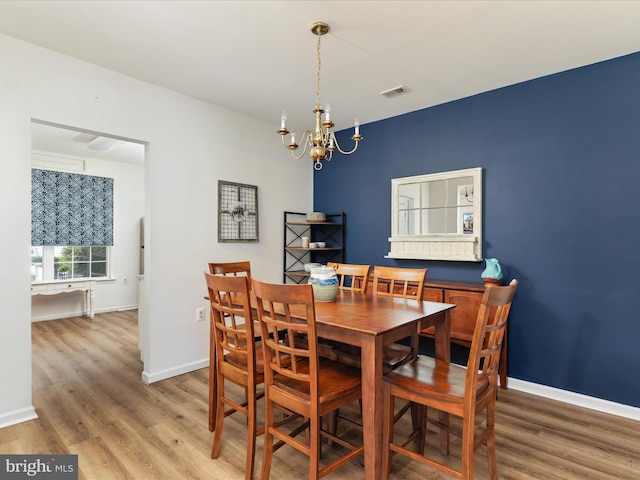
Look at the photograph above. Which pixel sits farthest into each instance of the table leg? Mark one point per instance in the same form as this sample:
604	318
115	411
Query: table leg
371	402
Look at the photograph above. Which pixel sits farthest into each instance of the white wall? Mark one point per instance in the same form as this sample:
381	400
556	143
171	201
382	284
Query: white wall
191	145
115	294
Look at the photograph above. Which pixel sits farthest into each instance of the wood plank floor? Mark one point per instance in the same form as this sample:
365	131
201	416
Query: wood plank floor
91	402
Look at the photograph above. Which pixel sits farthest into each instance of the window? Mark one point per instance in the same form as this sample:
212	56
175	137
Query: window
66	262
437	216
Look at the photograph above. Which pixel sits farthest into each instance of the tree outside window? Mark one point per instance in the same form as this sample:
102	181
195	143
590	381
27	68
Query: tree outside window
67	262
81	262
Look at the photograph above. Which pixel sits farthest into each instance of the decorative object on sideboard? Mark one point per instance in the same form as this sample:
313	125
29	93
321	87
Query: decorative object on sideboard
325	283
324	142
493	272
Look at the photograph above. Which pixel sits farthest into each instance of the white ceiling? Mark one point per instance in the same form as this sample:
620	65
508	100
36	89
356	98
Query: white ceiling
259	57
47	139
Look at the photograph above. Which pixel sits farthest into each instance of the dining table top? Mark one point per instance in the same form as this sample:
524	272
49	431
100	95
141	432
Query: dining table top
374	314
369	315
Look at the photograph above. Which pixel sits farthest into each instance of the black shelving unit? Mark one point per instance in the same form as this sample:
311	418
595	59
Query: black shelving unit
296	226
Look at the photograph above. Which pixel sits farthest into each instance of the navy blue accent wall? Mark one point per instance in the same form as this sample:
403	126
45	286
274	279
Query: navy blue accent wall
561	160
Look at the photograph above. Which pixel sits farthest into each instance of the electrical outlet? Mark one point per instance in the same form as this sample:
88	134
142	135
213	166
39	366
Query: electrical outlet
200	315
125	280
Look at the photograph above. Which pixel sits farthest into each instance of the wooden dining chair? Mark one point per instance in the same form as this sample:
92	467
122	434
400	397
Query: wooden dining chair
352	277
399	282
394	282
403	283
453	389
297	380
233	269
236	357
389	281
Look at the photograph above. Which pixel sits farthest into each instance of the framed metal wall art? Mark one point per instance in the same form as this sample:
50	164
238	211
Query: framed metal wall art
237	212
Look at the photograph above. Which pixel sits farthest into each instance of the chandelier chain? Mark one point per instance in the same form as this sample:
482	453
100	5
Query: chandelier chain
318	79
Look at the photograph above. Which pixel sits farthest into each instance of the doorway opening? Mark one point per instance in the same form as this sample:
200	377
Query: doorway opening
114	272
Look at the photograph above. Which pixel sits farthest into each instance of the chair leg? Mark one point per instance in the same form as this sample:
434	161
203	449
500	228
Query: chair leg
332	421
314	448
212	380
219	417
421	425
387	431
443	418
332	424
267	455
251	433
491	441
246	398
468	438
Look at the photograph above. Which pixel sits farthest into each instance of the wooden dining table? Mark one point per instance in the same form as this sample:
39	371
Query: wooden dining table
371	322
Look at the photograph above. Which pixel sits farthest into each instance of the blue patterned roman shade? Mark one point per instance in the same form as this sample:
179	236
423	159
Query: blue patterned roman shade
71	209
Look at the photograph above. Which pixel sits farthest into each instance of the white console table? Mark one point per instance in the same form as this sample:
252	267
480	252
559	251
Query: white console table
54	287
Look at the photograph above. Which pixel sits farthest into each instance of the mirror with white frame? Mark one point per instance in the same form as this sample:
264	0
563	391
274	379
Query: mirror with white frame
437	216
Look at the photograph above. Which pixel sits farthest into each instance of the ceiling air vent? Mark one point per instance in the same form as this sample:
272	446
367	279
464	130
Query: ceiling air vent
394	92
103	144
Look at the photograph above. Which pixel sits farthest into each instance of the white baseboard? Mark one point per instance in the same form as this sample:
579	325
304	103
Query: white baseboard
123	309
577	399
17	416
150	377
58	316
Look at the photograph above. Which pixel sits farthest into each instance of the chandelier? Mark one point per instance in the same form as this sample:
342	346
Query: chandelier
322	142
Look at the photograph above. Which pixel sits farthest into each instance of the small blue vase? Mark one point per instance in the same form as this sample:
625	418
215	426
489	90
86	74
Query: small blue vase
493	270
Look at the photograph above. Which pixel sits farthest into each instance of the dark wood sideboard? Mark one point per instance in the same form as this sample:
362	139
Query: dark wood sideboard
466	296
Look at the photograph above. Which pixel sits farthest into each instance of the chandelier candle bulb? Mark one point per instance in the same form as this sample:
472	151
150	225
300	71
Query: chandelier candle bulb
283	119
357	125
327	111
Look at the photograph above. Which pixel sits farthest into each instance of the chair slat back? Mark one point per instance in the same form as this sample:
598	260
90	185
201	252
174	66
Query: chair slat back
285	312
231	316
353	278
399	282
491	323
231	268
